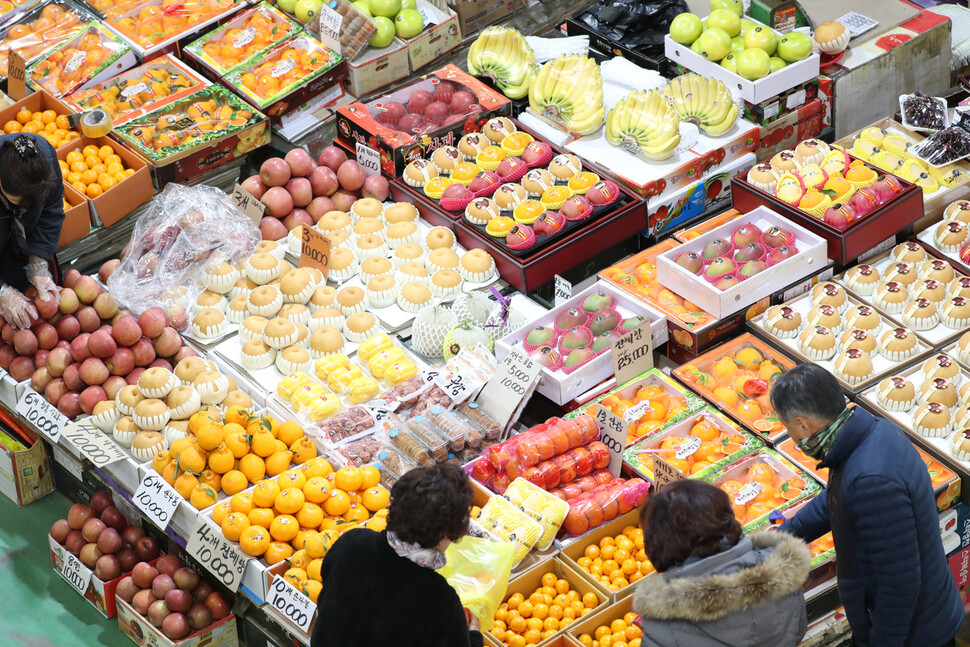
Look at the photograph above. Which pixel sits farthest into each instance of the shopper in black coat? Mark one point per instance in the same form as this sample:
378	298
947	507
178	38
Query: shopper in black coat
31	216
893	576
381	588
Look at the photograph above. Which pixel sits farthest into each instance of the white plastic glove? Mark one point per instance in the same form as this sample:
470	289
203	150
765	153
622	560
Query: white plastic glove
16	308
39	275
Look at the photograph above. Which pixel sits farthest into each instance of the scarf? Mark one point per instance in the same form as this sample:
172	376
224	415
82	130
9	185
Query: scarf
427	557
820	443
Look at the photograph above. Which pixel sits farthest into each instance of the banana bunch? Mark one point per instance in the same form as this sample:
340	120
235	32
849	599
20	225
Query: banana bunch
570	89
503	55
510	524
704	102
644	123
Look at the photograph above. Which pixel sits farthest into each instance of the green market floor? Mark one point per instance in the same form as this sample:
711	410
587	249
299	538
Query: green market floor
40	609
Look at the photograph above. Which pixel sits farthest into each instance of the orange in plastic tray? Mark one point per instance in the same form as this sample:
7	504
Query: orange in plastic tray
658	405
792	451
823	544
129	91
157	22
286	66
638	276
737	376
704	444
260	30
761	483
52	27
70	66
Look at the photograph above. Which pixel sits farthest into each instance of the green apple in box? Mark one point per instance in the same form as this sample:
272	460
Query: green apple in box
289	6
408	23
753	64
735	6
776	63
384	35
308	10
714	44
685	28
737	44
747	25
761	37
726	20
730	62
363	7
793	47
386	8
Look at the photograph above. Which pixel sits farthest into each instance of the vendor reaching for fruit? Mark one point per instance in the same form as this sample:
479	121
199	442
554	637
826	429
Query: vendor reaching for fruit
31	215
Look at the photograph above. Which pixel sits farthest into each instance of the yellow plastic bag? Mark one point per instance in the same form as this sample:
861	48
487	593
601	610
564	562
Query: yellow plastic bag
479	569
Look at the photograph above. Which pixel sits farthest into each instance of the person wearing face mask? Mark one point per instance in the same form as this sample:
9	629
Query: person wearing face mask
31	216
893	576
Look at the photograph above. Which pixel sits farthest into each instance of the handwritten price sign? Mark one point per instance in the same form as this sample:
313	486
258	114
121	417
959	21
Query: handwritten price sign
330	24
225	561
633	354
459	388
563	290
613	432
77	574
511	382
664	473
315	251
93	445
41	414
295	606
369	159
157	499
248	203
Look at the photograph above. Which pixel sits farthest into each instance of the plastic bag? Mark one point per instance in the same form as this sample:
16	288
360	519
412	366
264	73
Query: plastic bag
637	24
605	503
479	569
184	231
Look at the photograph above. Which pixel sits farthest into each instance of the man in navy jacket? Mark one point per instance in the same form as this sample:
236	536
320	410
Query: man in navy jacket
893	576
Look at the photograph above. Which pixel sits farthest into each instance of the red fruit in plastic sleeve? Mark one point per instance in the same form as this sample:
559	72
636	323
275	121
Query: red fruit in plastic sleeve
601	455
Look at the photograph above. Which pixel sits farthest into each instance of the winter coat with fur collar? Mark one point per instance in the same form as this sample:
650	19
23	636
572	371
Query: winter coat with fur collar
747	596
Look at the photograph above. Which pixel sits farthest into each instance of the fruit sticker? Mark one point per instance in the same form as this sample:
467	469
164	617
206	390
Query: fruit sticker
746	493
247	36
688	448
283	67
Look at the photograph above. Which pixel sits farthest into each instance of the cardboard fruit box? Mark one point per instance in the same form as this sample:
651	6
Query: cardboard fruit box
37	102
575	549
25	466
360	122
89	58
220	634
137	25
100	594
77	219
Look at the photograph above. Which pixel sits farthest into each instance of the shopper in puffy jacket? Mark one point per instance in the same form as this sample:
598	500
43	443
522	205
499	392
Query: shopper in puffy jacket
381	588
893	576
715	587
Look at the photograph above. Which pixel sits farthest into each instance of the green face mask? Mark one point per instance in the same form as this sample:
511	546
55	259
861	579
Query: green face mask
820	443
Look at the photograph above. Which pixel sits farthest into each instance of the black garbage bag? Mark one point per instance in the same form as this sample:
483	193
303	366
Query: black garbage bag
637	24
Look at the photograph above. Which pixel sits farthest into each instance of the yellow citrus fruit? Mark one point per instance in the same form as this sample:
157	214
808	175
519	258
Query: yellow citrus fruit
253	467
242	502
289	501
264	494
254	540
337	504
375	498
261	517
234	524
221	511
284	527
348	479
316	467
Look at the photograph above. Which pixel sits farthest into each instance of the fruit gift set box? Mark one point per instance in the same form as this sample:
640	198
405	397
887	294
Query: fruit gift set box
851	339
241	41
865	204
579	334
194	134
737	378
411	122
734	265
697	446
285	78
155	27
41	30
948	239
92	56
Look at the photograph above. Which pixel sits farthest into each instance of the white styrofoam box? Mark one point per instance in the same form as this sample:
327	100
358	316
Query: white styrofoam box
752	91
8	391
812	254
557	385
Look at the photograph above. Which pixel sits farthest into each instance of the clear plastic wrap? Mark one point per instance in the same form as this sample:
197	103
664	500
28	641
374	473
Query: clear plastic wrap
566	468
411	447
583	484
604	503
433	396
558	438
346	424
510	524
244	38
485	422
407	392
289	66
42	30
431	436
184	231
546	509
155	22
455	427
361	451
77	61
393	461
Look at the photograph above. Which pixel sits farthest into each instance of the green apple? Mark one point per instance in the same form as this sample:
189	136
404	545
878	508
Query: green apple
737	44
794	47
685	28
386	8
761	38
730	63
776	63
408	23
714	44
384	35
746	25
409	4
731	5
726	20
753	64
696	47
289	6
307	10
363	6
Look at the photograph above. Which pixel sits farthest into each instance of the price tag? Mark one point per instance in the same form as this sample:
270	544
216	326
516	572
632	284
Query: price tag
633	354
427	16
664	473
315	251
430	376
746	493
613	433
294	606
76	573
456	386
41	414
637	411
16	79
97	447
509	385
248	203
369	159
687	448
217	554
564	290
330	25
157	499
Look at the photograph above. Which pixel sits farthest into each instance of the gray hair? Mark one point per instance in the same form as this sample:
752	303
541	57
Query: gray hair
807	390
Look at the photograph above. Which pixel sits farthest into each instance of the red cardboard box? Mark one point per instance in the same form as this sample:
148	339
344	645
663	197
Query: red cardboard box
100	594
797	125
221	634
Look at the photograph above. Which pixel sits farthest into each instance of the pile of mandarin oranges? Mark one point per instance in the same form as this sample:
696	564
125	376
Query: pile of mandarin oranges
522	620
92	170
617	561
47	124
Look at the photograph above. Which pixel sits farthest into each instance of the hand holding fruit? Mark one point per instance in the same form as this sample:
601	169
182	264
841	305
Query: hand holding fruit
40	277
16	308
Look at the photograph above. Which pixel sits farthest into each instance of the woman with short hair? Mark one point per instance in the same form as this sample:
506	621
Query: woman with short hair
716	587
381	588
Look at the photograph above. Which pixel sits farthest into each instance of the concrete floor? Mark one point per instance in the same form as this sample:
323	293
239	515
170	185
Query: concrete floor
39	608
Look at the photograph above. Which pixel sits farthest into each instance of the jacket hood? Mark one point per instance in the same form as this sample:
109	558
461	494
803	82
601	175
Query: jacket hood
711	597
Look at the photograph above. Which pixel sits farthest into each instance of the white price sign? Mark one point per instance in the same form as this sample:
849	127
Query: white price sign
564	290
97	447
510	384
633	354
157	499
746	493
294	606
369	159
330	26
77	574
41	414
613	433
217	554
248	203
664	473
